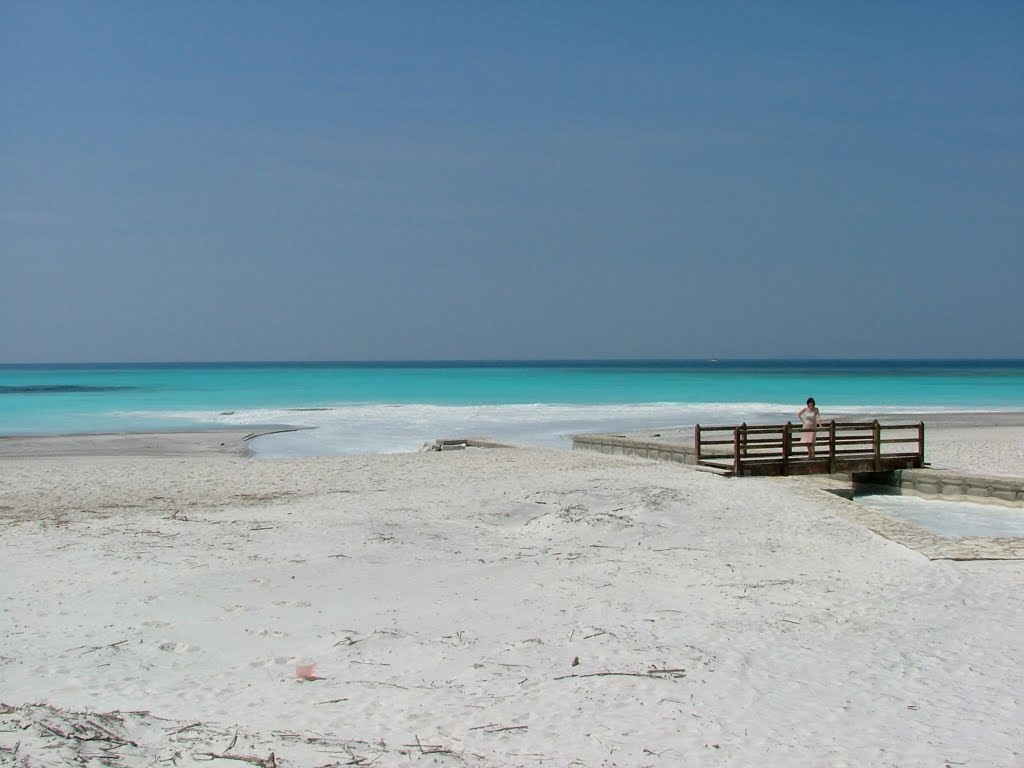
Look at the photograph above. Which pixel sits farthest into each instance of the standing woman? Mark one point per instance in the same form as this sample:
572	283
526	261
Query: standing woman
810	418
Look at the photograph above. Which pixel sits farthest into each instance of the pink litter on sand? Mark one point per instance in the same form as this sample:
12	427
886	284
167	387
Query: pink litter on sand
306	671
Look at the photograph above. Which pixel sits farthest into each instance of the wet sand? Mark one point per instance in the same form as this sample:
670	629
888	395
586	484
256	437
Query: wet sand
171	443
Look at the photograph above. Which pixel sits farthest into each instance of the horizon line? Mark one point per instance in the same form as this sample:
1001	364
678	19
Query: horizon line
528	361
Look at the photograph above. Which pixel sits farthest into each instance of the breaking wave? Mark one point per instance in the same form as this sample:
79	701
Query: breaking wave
382	428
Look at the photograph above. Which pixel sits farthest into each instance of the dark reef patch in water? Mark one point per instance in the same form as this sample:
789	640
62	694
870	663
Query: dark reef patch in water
49	389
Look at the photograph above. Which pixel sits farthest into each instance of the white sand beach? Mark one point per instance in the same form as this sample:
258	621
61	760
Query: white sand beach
981	450
502	607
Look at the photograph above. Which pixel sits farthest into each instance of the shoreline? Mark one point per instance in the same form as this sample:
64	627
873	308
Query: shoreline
163	443
233	441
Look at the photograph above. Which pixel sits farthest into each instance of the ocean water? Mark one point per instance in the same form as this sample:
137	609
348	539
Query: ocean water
388	407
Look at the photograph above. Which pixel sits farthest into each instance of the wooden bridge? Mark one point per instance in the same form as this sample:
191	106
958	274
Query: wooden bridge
840	446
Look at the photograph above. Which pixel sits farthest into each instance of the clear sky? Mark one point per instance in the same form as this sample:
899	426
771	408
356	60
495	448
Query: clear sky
482	180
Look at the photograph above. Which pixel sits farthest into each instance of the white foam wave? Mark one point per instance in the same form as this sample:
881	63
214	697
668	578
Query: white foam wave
379	428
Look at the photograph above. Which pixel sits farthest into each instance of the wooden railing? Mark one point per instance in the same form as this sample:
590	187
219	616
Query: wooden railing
839	446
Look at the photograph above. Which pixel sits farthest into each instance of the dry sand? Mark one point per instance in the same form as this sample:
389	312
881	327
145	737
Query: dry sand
977	450
485	608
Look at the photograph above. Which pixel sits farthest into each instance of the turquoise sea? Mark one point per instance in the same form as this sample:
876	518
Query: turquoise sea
384	407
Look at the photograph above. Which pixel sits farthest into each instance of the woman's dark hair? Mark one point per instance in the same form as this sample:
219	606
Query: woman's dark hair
810	402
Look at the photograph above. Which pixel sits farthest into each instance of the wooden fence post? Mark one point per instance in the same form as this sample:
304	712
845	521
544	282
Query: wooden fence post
876	439
832	447
920	444
787	439
736	461
696	441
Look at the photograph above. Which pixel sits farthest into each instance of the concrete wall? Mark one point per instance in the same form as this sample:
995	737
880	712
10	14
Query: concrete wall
957	485
625	446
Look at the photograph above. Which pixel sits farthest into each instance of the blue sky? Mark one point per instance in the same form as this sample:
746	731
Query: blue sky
475	180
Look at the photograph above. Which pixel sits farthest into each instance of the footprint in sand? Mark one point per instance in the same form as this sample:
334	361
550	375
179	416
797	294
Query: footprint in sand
273	661
174	647
271	633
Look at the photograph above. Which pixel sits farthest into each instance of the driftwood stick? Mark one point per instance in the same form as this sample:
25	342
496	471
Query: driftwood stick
606	674
101	647
110	734
496	727
430	749
651	673
350	641
188	727
54	731
262	762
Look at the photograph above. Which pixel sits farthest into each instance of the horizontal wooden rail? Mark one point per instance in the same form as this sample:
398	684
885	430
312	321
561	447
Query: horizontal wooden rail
838	446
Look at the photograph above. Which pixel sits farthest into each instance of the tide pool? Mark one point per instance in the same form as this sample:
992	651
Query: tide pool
950	518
